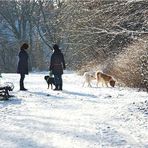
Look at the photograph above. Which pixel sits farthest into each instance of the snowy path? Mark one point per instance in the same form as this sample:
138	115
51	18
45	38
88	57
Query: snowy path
78	117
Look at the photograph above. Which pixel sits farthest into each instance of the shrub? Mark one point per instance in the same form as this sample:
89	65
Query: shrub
130	67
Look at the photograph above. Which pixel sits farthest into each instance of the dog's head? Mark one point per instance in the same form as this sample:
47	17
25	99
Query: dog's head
112	83
46	77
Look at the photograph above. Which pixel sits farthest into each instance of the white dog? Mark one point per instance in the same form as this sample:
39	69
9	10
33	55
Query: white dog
88	77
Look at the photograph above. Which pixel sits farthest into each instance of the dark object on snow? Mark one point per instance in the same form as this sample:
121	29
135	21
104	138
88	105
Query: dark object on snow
23	60
57	65
50	81
22	67
4	91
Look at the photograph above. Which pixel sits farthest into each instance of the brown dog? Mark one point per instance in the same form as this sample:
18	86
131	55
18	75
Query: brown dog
105	79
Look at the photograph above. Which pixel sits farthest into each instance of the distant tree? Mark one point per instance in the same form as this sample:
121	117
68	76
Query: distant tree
7	52
100	29
19	24
47	21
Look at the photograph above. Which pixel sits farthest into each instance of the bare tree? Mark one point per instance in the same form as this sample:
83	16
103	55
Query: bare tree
19	23
100	29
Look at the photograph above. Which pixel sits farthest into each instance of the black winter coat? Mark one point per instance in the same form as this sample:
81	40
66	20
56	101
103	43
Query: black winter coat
23	62
57	63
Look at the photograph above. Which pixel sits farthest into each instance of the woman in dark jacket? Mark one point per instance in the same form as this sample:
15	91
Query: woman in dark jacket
22	68
57	64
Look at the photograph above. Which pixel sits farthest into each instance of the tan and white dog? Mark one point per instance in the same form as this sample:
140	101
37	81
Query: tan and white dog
88	77
105	79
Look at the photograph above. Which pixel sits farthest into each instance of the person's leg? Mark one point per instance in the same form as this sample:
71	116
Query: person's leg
60	82
56	81
22	77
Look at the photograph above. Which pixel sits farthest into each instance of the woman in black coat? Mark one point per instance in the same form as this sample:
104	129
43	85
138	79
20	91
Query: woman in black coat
57	64
22	68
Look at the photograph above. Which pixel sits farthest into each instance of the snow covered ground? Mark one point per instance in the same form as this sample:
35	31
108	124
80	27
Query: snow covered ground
77	117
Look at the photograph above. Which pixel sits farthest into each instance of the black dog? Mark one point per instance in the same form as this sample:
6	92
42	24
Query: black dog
50	81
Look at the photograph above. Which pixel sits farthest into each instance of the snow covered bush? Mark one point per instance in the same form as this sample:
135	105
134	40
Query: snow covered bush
130	66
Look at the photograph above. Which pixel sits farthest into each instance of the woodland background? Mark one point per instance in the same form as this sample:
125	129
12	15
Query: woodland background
107	35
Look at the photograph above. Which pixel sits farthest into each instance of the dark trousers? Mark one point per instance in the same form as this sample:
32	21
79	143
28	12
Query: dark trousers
22	77
58	81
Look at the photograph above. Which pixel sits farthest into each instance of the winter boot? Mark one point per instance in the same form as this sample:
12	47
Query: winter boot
22	86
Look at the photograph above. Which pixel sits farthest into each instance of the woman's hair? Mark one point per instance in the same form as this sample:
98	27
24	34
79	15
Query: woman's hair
24	46
56	48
